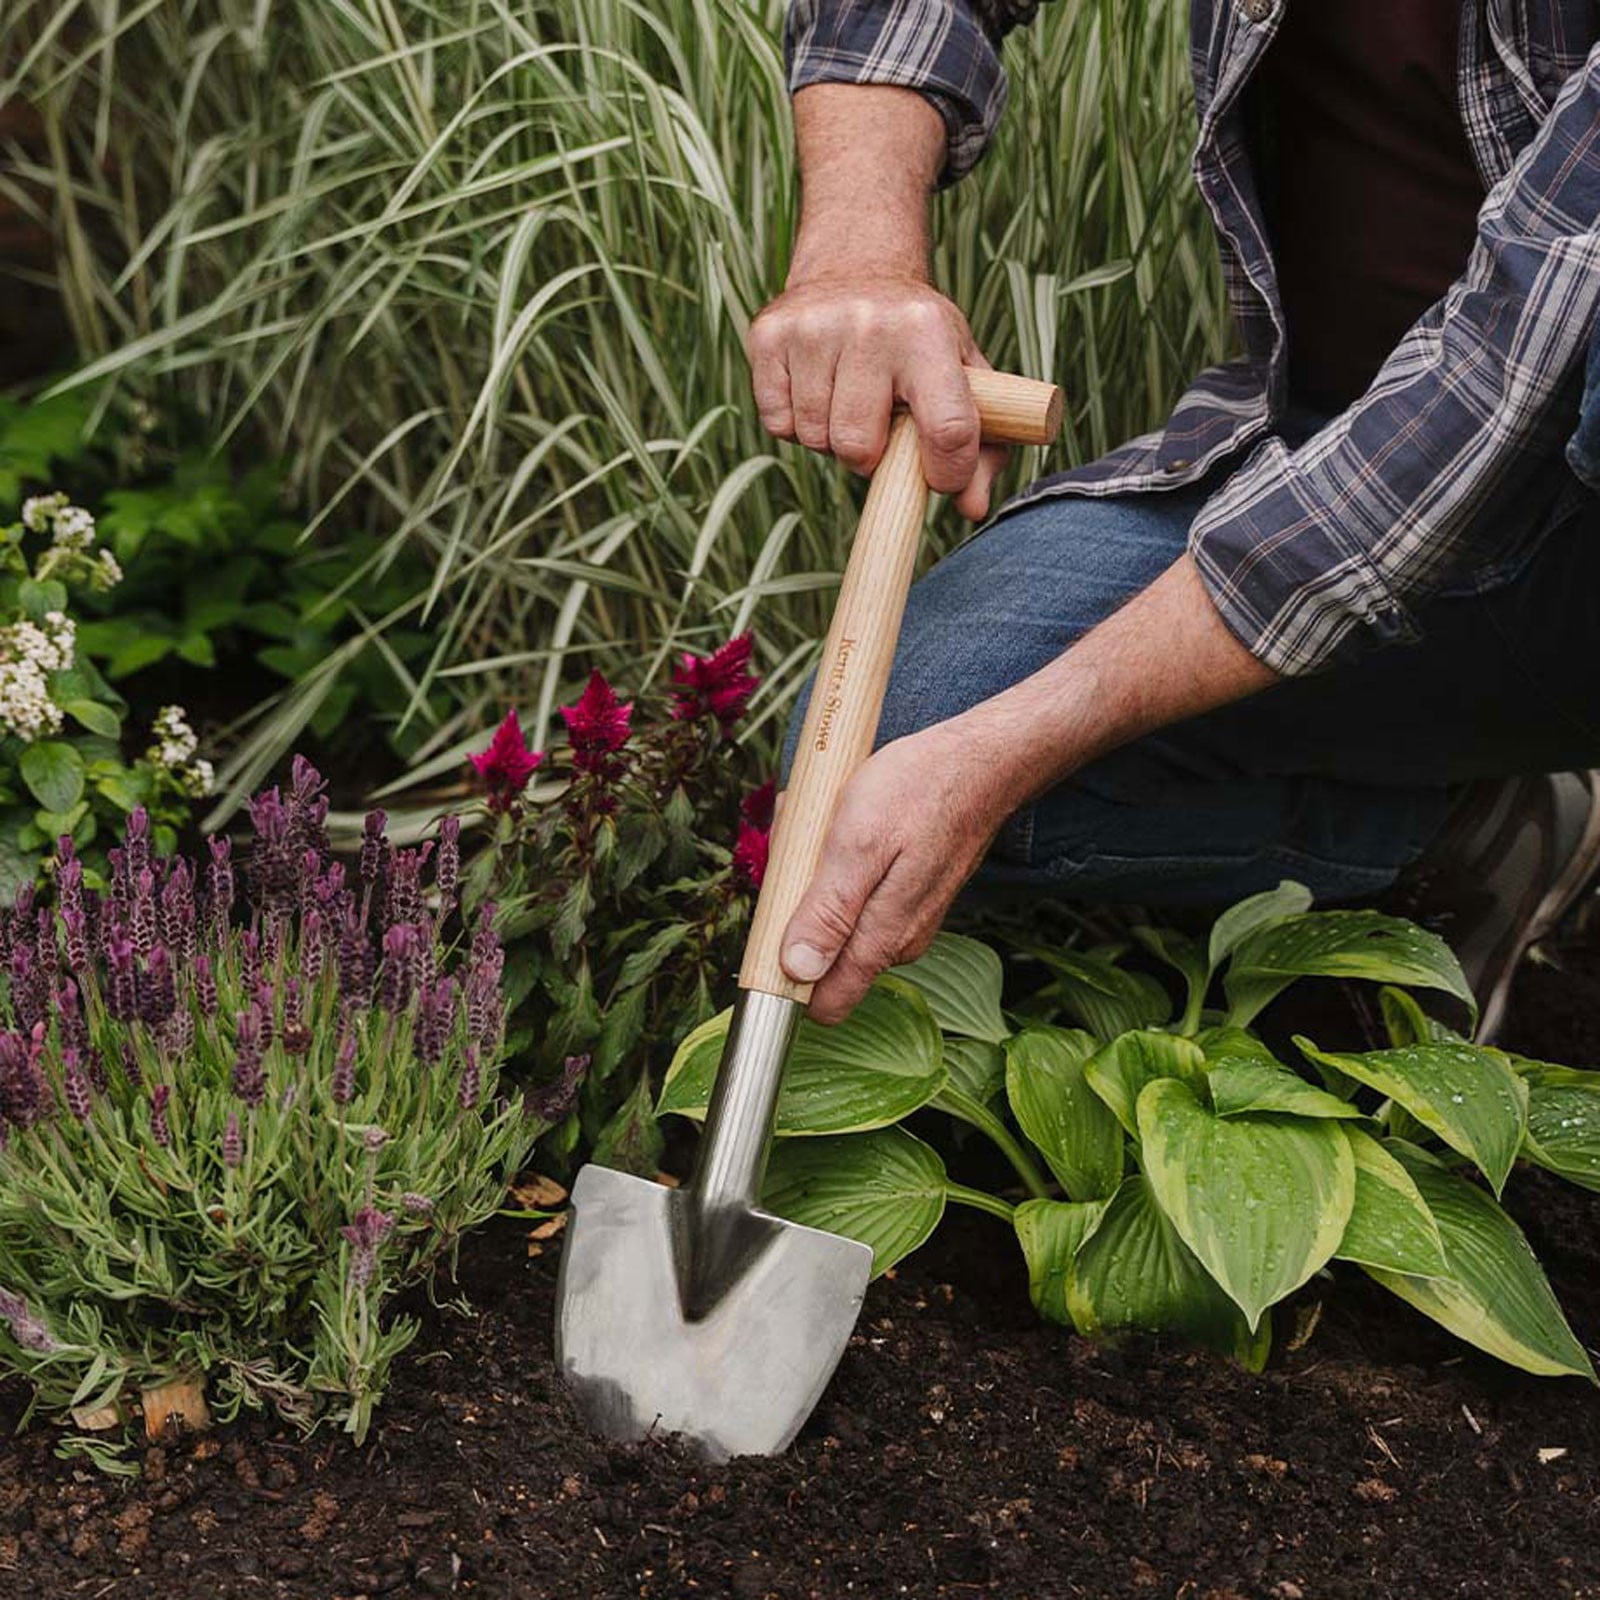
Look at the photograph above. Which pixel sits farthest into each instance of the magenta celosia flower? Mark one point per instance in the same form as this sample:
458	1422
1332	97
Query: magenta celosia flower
750	854
506	765
597	725
758	806
718	685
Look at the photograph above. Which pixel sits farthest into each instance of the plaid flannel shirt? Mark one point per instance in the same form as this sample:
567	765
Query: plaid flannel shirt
1315	554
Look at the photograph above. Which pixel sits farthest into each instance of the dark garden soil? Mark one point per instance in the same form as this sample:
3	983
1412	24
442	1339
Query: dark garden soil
963	1450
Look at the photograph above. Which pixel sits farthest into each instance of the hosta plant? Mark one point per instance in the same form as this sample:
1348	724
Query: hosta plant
1175	1173
624	881
235	1124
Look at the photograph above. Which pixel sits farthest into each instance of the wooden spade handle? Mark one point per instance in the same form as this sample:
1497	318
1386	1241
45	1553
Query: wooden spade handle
842	719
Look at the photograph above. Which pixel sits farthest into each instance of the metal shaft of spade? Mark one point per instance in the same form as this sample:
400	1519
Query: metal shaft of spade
694	1311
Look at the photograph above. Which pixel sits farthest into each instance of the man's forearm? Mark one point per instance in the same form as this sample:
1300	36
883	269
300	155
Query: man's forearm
1164	656
869	158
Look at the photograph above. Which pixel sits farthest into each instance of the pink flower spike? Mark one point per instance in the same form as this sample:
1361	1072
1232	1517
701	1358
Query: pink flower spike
597	725
758	806
750	854
506	765
717	685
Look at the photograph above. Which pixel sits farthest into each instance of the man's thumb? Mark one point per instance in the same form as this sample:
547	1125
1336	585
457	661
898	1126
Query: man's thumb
824	920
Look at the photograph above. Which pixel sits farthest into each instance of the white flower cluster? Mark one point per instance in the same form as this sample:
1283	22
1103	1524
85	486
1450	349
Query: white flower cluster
70	527
176	748
40	510
29	653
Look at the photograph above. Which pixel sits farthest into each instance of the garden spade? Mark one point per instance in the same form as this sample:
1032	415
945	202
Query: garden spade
692	1310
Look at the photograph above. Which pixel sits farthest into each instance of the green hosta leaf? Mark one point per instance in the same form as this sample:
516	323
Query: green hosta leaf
1390	1224
1467	1095
1496	1295
1225	1044
879	1065
1262	1201
960	978
1054	1106
1133	1271
53	772
95	717
886	1189
977	1068
1262	910
1184	956
1050	1232
1095	991
1338	944
1241	1084
1564	1130
1406	1022
1119	1071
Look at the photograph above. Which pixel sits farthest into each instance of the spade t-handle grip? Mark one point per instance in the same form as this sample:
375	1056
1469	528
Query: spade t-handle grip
847	696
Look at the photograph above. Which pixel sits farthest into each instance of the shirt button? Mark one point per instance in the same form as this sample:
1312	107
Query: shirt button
1257	10
1178	465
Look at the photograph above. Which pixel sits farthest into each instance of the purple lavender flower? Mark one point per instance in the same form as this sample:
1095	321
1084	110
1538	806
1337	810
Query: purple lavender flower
27	1327
373	844
22	1088
550	1102
95	1064
470	1084
76	1089
267	1010
296	1035
416	1205
70	1023
177	911
76	925
343	1087
355	961
122	998
373	1140
132	1072
447	872
249	961
232	1142
143	916
436	1015
365	1232
205	986
136	842
69	877
157	991
219	884
249	1078
313	948
160	1131
399	972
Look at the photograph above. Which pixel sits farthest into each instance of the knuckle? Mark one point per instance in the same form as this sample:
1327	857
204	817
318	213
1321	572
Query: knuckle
950	435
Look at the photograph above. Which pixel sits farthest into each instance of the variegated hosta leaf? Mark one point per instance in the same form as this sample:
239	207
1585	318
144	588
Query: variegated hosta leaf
1467	1095
1050	1232
976	1067
1244	1084
1262	910
1096	992
1262	1201
1184	956
1121	1069
1390	1224
1054	1106
960	978
1219	1043
1564	1130
1133	1271
879	1065
1406	1022
1338	944
885	1188
1495	1295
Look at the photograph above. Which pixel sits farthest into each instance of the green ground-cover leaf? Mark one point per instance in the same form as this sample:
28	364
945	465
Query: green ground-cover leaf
961	979
1496	1295
1242	1084
1133	1271
885	1188
1338	944
1390	1224
879	1065
1119	1071
1050	1233
1262	1201
1465	1094
1072	1127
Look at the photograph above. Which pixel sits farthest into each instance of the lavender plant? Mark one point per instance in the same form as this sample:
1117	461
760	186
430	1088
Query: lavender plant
234	1124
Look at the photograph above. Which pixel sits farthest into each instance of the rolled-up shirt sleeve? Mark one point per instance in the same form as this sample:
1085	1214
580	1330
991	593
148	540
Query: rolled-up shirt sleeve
1315	555
948	50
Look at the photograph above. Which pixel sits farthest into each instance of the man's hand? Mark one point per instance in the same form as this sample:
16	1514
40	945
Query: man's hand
912	826
859	328
918	817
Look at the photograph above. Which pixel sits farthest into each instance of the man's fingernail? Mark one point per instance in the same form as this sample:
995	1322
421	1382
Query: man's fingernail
804	963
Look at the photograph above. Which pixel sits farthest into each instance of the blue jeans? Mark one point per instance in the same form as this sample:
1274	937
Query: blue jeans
1338	780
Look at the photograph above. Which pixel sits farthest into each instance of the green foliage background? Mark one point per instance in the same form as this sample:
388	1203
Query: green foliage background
480	273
